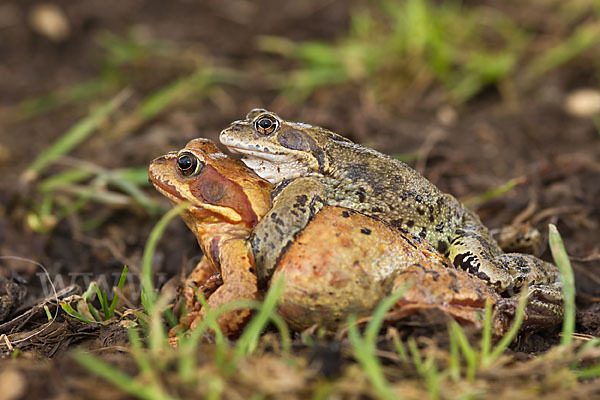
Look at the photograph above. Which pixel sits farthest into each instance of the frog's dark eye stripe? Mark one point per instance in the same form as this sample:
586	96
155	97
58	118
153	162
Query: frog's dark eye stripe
188	164
266	124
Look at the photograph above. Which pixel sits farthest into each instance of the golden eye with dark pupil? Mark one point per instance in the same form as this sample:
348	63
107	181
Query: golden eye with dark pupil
266	125
188	164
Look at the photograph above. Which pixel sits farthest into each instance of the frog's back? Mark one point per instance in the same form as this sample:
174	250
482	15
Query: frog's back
387	188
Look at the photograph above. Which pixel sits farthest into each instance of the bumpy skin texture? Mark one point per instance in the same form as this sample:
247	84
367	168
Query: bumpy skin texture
343	262
316	167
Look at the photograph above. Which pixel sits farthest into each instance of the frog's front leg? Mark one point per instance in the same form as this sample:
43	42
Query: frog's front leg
236	281
203	278
294	205
473	250
239	283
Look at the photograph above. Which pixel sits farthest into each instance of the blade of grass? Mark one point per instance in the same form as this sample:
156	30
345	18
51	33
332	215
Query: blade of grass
74	136
75	94
563	263
512	332
454	361
585	36
120	285
75	314
369	362
458	336
145	390
378	316
68	177
486	335
364	348
103	300
493	193
180	91
247	343
149	296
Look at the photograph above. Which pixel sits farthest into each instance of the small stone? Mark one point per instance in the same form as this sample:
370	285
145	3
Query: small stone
49	20
446	115
583	102
12	385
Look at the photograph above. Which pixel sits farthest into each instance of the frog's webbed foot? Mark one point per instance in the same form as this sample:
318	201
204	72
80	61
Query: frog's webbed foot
545	308
294	205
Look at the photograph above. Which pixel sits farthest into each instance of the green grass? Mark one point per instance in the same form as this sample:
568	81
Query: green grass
73	137
566	272
412	44
63	192
86	312
156	360
364	347
407	48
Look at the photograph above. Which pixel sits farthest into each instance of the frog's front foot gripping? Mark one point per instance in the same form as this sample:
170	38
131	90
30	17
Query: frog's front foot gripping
294	205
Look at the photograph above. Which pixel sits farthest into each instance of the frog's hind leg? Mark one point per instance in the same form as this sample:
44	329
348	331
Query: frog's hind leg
473	250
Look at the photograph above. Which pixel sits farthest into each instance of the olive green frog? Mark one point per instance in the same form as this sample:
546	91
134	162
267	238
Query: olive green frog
314	167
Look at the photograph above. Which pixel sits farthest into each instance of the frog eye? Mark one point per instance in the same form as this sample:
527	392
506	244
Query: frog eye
188	164
266	124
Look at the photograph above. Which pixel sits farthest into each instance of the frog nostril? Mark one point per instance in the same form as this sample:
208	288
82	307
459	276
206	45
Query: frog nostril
159	160
236	127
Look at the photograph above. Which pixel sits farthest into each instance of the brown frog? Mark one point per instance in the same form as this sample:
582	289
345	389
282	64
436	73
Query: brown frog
314	167
342	262
225	203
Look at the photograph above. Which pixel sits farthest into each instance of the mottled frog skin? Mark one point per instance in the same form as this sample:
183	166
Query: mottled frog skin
341	263
314	167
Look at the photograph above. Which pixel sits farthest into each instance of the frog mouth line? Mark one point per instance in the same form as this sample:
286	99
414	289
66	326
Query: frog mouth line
275	158
169	195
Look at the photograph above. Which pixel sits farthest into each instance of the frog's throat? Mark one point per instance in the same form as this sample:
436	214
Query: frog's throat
226	212
272	167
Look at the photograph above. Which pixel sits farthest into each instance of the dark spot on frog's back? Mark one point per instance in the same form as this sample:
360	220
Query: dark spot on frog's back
439	227
345	214
442	247
365	231
361	195
301	200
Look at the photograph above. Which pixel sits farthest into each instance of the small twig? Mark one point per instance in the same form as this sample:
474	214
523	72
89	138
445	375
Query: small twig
554	211
427	147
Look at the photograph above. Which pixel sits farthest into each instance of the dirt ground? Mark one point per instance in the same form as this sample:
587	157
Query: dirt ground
465	150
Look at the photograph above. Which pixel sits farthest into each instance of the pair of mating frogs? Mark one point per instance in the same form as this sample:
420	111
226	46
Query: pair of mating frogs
343	225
